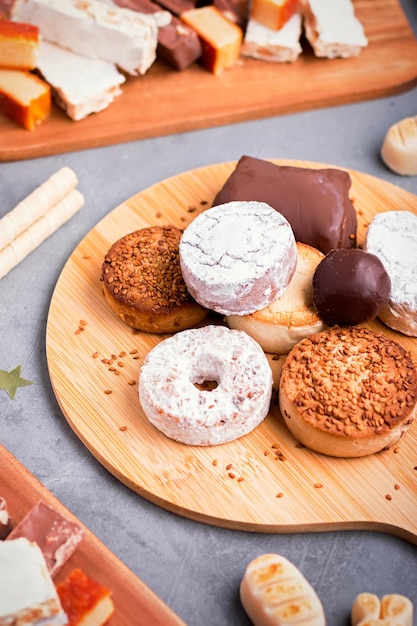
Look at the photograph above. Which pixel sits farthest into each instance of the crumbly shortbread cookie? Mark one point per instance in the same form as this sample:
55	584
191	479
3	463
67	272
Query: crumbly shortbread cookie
238	257
392	237
273	591
281	45
173	402
399	149
348	392
332	28
291	317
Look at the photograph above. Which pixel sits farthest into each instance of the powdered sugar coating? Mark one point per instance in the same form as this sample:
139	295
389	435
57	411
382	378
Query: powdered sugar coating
392	237
236	258
172	402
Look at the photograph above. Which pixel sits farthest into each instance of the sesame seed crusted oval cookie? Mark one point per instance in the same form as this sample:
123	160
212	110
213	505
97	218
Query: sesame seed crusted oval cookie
348	392
238	257
172	375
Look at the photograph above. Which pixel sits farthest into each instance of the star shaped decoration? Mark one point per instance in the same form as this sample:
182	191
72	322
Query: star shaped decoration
10	381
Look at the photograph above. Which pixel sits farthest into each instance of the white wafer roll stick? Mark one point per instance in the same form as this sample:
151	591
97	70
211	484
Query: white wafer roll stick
40	230
36	204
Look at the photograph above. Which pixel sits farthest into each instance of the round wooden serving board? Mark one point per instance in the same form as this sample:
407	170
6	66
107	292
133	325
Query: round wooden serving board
242	485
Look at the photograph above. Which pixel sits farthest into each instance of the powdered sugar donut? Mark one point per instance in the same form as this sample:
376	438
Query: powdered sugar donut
172	370
236	258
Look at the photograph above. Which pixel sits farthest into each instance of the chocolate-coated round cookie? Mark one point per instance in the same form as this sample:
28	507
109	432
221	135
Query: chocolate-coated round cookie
350	287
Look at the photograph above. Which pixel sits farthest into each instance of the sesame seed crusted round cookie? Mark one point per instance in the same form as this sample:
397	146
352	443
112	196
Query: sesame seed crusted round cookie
236	258
143	284
348	392
172	400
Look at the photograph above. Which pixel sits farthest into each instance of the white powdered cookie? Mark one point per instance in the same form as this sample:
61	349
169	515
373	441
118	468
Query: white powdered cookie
172	400
238	257
392	237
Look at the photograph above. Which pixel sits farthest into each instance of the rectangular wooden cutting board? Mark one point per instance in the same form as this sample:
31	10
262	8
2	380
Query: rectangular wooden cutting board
132	598
165	101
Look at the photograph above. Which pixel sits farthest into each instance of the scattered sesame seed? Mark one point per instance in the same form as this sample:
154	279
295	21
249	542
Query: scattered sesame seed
123	428
318	485
215	462
388	496
107	391
279	494
95	355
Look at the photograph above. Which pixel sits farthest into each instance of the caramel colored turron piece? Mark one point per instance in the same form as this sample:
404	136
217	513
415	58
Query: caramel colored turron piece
348	392
142	282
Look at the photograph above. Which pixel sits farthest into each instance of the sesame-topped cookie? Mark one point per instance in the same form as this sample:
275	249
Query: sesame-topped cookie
143	283
348	392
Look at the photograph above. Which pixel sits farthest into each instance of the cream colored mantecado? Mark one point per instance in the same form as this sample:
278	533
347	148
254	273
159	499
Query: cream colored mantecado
273	591
399	149
291	317
391	610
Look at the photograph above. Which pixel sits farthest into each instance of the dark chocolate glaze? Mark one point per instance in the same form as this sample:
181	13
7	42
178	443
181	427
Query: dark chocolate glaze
315	201
350	287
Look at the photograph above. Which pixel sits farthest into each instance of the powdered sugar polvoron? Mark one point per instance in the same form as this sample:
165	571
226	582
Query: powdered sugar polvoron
236	258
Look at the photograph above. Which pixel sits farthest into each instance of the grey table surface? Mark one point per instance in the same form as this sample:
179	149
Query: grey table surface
193	567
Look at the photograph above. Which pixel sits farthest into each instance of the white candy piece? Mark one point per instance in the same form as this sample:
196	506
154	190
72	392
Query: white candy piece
81	86
274	592
281	45
95	30
172	401
27	593
392	237
238	257
392	610
399	149
332	28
